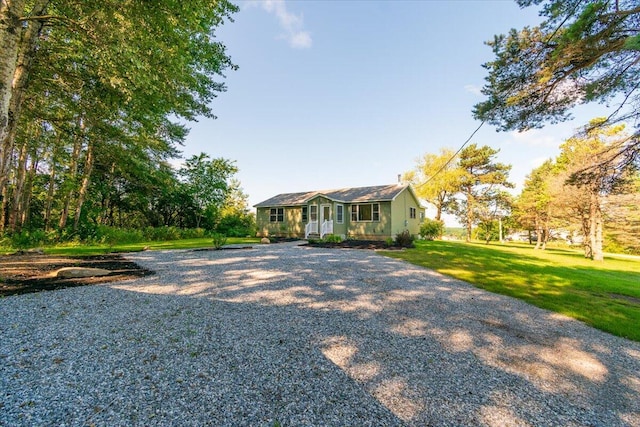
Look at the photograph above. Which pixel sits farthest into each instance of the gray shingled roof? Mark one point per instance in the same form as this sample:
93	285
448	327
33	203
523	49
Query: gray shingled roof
378	193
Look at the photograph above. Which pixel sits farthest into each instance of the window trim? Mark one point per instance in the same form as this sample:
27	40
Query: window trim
375	212
339	213
277	216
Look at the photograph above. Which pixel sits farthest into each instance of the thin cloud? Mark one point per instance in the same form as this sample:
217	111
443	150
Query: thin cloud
291	24
535	137
473	89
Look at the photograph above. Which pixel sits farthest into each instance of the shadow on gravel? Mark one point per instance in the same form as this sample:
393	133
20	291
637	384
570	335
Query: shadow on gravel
325	337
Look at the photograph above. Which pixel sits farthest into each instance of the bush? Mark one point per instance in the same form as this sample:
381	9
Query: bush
431	229
219	240
404	239
237	225
113	235
27	239
333	238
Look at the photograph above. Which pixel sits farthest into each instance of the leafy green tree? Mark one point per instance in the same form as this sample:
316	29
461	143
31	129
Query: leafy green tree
206	181
103	73
533	205
436	179
497	205
583	51
235	219
481	185
431	229
622	217
583	198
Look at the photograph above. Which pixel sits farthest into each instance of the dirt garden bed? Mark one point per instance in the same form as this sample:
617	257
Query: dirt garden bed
25	273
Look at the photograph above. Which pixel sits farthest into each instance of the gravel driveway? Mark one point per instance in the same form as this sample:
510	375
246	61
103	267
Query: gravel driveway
294	336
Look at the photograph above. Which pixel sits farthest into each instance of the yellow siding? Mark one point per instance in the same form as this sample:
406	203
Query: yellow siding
400	214
376	230
291	227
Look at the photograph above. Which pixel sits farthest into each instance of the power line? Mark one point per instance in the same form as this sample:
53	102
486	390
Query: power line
452	157
555	31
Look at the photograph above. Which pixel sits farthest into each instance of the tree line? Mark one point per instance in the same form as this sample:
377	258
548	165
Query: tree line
579	193
92	100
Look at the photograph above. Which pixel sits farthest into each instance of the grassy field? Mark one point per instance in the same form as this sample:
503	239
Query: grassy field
604	295
82	249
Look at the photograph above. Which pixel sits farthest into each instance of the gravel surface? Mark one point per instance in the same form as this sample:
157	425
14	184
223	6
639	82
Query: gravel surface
294	336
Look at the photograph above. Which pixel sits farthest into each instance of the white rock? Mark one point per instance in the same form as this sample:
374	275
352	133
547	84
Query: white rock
75	272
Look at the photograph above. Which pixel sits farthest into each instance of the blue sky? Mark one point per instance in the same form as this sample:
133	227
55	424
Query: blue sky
333	94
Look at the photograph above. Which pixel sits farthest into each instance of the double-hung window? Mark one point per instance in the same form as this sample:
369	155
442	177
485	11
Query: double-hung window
276	215
412	213
365	212
340	214
313	212
305	214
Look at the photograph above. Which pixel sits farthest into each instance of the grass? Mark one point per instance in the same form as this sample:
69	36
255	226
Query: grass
604	295
82	250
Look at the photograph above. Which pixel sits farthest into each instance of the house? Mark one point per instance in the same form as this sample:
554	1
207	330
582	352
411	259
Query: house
377	212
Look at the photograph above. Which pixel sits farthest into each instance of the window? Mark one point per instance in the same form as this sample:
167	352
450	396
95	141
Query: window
276	215
412	213
339	214
365	212
313	212
305	214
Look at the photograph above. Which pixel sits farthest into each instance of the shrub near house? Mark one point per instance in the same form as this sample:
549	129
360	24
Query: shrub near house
377	212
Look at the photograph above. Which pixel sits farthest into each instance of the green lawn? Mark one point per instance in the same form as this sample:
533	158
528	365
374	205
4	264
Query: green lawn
82	249
604	295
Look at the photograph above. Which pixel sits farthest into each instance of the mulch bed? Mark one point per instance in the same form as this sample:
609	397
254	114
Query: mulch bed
355	244
25	273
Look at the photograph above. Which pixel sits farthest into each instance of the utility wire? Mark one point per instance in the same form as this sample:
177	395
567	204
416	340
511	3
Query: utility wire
555	31
452	157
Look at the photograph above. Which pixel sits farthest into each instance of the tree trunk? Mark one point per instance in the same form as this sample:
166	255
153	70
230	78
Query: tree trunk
586	232
595	228
545	240
106	218
86	178
50	192
538	235
10	32
18	50
70	186
18	191
28	192
469	215
3	208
